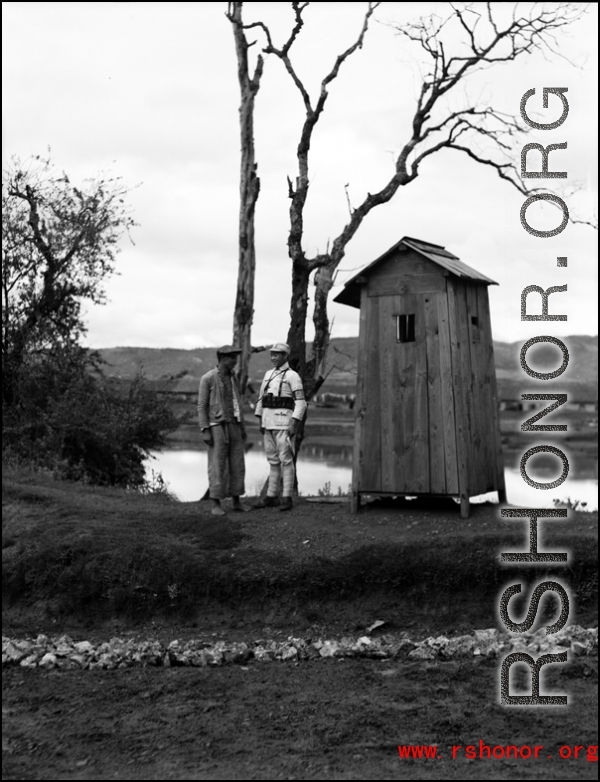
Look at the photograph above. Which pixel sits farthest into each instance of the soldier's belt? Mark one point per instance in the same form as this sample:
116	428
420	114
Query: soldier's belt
278	402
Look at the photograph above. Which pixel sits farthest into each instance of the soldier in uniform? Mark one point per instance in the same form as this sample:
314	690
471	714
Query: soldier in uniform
280	407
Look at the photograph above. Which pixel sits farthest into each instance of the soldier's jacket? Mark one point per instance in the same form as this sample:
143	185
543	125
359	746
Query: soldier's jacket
282	383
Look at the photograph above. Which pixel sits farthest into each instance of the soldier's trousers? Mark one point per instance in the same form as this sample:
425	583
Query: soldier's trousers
281	461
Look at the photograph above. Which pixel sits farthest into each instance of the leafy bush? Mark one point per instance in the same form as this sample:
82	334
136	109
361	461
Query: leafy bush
82	426
59	244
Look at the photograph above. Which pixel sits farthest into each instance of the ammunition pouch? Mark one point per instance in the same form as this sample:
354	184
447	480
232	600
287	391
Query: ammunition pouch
278	402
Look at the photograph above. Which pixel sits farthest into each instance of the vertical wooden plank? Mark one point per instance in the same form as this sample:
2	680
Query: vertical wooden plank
437	474
359	415
494	423
416	419
371	464
486	415
480	463
402	385
447	397
460	401
466	377
388	393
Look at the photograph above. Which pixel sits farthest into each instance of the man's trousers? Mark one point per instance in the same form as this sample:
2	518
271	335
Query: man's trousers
226	465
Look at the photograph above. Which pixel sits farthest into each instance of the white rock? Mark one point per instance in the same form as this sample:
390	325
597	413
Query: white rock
63	650
217	657
13	653
485	635
65	639
199	658
48	660
83	647
329	649
263	655
461	646
422	652
579	647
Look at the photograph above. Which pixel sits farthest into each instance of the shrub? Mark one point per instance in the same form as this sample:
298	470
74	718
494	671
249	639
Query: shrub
81	425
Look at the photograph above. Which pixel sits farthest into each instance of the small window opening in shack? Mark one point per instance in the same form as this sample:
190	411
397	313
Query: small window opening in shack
475	328
405	328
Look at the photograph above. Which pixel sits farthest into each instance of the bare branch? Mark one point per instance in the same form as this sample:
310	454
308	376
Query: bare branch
343	57
348	199
486	135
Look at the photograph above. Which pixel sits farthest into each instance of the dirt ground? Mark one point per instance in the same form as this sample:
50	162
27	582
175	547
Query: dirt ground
317	572
325	719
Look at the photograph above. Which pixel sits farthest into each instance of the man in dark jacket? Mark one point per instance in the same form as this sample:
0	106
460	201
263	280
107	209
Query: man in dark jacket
221	419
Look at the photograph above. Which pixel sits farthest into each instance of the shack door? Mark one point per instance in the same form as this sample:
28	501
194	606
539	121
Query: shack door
409	433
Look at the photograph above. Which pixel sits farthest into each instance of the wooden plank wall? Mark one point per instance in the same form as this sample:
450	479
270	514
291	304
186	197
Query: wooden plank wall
477	383
407	284
480	350
406	272
427	417
493	423
485	417
480	463
437	472
460	359
448	397
370	470
410	419
385	341
359	416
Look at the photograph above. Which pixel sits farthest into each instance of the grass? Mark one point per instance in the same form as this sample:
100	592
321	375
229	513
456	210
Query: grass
80	547
101	552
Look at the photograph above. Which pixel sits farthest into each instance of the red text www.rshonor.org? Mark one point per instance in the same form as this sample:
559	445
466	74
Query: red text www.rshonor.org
498	752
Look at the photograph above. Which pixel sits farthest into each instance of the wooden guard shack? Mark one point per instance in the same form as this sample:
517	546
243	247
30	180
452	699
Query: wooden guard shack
426	405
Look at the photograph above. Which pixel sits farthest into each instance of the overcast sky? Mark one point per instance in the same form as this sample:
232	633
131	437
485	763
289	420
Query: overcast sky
149	92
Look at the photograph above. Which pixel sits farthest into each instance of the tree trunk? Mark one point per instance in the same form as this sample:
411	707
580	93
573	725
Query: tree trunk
298	313
320	345
249	190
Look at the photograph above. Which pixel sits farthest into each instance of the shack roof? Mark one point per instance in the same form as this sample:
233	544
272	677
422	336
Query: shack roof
350	295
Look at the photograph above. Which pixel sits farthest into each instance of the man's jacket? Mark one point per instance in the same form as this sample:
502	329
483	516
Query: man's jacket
211	408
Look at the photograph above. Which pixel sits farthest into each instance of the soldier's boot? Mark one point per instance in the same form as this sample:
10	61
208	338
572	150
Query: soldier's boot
286	503
267	502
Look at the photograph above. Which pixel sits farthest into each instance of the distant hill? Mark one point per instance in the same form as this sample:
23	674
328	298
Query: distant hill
579	380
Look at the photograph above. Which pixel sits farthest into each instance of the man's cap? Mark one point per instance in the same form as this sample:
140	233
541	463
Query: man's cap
228	350
280	347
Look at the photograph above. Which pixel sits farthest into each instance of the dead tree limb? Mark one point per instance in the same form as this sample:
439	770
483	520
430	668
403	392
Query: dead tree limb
486	135
249	191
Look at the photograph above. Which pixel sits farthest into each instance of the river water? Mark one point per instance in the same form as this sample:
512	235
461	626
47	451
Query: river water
330	468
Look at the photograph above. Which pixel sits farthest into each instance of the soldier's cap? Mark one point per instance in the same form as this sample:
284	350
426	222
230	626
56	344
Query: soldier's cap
228	350
280	347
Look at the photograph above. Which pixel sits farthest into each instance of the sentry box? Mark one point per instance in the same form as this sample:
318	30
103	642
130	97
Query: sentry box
426	405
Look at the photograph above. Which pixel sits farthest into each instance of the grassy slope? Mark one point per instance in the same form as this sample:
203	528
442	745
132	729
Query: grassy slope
77	551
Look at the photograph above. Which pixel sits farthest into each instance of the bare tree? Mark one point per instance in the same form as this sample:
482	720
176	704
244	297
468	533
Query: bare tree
249	190
456	47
